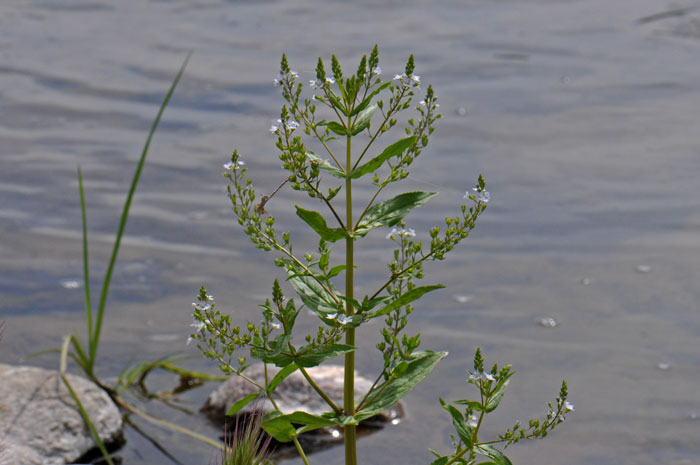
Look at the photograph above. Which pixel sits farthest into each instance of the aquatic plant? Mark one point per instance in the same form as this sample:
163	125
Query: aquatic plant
345	117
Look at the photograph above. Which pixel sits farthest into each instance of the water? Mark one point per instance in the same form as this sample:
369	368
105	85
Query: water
582	119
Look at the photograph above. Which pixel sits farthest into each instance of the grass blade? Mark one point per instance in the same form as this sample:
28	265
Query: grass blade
95	336
81	409
86	272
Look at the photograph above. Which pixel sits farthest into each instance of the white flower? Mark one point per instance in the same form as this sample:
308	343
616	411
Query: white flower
376	70
201	306
273	128
422	102
292	125
481	376
410	232
331	316
278	80
472	421
489	377
189	339
343	320
415	79
208	296
330	80
233	167
478	195
275	325
569	406
293	73
198	325
313	84
398	77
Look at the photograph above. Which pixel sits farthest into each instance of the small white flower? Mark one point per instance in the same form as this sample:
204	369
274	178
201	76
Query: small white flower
568	406
415	79
232	167
292	125
422	102
391	234
208	296
189	340
376	70
331	316
478	196
278	80
273	128
489	377
313	84
398	77
201	306
293	73
330	80
410	232
275	325
472	421
343	320
198	325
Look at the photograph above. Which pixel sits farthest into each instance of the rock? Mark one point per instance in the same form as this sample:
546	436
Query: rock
293	394
40	423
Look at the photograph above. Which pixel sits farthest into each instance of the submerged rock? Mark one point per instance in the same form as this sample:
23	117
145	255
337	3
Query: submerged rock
40	423
293	394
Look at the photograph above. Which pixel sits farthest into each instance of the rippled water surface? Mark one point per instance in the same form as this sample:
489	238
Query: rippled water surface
583	119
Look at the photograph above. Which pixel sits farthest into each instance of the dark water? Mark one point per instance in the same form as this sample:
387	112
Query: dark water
582	119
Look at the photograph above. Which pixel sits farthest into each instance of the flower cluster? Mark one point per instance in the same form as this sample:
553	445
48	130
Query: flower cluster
410	232
231	166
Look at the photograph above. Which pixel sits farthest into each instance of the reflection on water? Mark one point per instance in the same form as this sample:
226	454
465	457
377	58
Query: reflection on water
581	116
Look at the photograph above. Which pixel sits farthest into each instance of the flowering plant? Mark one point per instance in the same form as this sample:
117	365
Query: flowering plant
362	108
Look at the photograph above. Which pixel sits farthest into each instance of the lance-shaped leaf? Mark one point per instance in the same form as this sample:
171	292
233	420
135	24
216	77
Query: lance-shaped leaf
283	429
367	100
394	150
498	392
273	354
363	119
318	224
494	454
316	357
337	128
314	296
325	165
406	298
391	391
235	408
465	431
390	212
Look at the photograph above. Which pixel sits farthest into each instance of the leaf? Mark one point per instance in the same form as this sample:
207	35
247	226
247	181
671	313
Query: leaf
280	376
390	212
325	165
363	119
493	453
281	427
313	359
235	408
367	100
337	128
336	270
466	432
408	297
471	403
318	224
497	395
394	150
389	392
314	296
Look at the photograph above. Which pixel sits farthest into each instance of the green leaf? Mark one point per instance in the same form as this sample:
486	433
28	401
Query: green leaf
390	212
471	403
337	128
325	165
280	376
313	359
363	119
391	391
466	432
394	150
336	270
497	395
314	296
440	461
337	103
367	100
235	408
493	453
318	224
281	427
406	298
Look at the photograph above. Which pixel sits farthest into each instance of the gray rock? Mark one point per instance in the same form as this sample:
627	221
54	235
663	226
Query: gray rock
40	423
293	394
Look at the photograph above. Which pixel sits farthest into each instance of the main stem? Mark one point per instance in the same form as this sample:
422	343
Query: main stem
349	385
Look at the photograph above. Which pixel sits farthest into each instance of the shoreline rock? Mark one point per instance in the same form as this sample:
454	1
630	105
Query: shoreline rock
40	423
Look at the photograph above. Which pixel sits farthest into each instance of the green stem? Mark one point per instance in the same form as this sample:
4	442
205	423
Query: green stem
349	385
320	391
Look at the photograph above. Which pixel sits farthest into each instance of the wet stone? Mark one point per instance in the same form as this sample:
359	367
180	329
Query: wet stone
39	421
293	394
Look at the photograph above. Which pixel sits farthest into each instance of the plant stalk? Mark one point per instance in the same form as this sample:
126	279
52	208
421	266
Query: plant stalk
349	384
